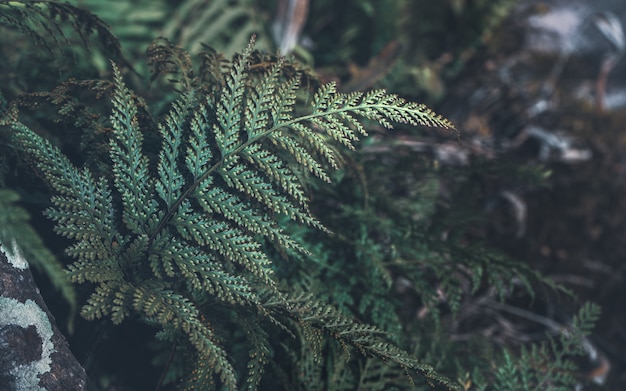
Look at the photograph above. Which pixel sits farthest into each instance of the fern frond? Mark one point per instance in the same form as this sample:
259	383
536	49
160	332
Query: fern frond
259	350
170	309
170	181
225	239
239	177
214	199
336	115
334	112
202	272
43	21
366	338
280	109
201	377
549	365
172	238
586	319
84	209
273	166
293	147
98	271
230	106
261	101
101	301
130	166
198	159
164	258
284	101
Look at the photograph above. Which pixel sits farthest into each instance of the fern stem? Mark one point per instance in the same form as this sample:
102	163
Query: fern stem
170	359
379	108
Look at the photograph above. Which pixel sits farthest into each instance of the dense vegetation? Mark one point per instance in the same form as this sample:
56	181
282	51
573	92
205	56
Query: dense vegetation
224	211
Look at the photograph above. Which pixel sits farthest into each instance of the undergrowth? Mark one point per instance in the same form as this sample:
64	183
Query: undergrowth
227	211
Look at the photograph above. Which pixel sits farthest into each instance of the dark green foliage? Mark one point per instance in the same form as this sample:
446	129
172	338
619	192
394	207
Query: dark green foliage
200	225
384	234
547	366
435	39
179	239
417	270
45	21
226	24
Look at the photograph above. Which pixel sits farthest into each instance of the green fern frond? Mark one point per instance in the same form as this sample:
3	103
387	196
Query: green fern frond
284	101
167	308
277	171
201	377
261	101
105	270
101	301
296	149
239	177
549	365
170	183
83	210
130	166
366	338
259	351
199	157
216	200
163	237
230	106
202	272
586	319
334	112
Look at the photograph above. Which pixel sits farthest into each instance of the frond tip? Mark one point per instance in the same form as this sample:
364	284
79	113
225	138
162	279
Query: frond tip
337	112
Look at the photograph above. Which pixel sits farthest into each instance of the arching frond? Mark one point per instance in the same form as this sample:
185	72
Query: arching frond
189	226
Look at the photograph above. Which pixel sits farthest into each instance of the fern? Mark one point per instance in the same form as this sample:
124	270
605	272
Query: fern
182	239
330	371
546	366
44	21
395	257
227	24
